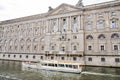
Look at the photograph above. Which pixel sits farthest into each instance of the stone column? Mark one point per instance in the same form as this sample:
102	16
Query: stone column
82	22
70	22
59	28
79	22
67	23
57	24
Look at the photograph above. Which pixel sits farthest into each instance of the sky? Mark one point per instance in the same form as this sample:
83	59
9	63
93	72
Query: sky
10	9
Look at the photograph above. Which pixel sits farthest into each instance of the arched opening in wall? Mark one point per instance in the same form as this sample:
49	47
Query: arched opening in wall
90	37
101	36
114	36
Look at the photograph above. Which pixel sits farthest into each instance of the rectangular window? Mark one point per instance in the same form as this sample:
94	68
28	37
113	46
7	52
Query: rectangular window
115	47
102	47
63	49
89	47
102	59
74	58
117	59
101	25
52	47
89	59
62	58
74	48
89	26
114	24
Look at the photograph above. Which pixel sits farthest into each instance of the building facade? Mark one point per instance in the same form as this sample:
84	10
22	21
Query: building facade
86	34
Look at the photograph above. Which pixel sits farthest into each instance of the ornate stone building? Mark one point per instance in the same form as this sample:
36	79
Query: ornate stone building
86	34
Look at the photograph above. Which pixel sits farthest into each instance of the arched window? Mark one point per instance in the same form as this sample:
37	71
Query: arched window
22	41
5	41
35	40
115	35
101	36
28	40
89	37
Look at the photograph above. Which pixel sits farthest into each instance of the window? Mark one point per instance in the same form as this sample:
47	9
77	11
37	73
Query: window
52	57
35	47
101	36
34	57
9	55
102	59
41	57
20	56
74	58
89	17
89	37
89	27
35	40
89	59
42	47
113	13
115	35
28	47
15	47
14	56
102	47
115	47
26	56
52	48
55	28
3	55
62	58
117	59
74	37
22	47
74	48
114	24
100	25
63	49
28	40
89	47
100	15
64	25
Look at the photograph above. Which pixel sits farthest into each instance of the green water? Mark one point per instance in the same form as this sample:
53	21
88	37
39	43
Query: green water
11	70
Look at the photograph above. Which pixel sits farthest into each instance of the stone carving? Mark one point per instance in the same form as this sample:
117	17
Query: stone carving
79	4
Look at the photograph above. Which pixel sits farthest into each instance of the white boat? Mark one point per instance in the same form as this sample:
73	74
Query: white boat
68	67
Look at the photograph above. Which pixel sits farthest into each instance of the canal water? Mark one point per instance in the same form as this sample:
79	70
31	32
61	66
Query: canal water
11	70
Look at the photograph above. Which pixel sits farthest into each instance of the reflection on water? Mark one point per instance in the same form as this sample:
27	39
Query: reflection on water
11	70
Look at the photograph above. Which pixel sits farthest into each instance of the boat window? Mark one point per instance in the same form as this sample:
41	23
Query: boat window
55	65
50	64
75	66
61	65
70	66
67	66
